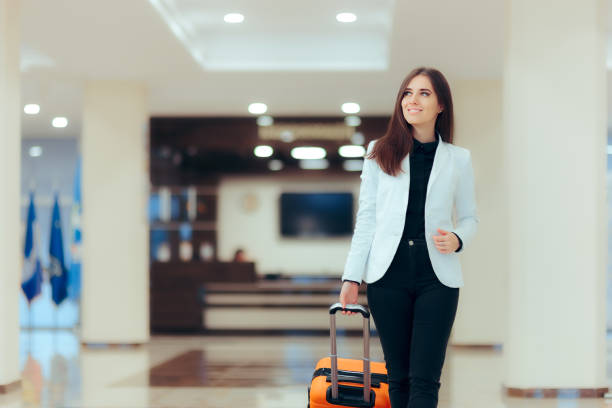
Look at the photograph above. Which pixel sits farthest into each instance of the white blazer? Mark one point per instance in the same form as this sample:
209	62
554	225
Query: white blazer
383	200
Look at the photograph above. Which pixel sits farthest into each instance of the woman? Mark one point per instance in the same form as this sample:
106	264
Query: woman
405	243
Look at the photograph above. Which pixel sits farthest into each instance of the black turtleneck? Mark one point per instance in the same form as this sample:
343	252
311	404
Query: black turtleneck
421	162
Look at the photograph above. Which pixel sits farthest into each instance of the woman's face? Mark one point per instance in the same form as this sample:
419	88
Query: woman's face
420	103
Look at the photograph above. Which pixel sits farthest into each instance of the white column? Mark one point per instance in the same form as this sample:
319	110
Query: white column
115	298
102	369
555	166
10	153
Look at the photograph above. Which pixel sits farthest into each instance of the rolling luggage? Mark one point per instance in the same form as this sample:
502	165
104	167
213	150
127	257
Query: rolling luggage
343	382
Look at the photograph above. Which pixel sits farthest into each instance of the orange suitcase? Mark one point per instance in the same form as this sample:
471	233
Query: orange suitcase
339	382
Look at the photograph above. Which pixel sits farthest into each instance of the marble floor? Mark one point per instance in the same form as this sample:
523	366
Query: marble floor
227	371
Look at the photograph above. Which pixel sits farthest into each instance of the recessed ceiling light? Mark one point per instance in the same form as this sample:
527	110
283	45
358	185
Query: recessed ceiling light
265	120
263	151
314	164
350	107
233	18
31	109
275	165
352	165
351	151
258	108
287	136
35	151
59	122
358	138
308	152
346	17
352	121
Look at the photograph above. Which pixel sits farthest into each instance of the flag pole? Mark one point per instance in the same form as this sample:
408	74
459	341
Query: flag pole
29	327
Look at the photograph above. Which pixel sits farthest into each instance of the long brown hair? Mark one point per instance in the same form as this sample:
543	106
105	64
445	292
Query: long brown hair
390	150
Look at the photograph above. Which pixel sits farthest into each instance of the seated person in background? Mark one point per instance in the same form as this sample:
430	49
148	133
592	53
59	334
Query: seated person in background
239	256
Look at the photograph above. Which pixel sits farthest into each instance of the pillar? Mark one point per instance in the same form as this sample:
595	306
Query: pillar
554	110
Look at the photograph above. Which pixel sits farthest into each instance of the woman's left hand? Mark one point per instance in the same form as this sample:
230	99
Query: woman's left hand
446	242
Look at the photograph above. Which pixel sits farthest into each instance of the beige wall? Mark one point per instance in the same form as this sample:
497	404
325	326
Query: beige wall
258	232
481	317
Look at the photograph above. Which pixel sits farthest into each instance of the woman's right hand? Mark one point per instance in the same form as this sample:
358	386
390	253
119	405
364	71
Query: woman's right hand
349	295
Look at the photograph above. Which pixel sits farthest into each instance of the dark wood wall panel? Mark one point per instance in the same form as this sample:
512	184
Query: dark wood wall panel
196	151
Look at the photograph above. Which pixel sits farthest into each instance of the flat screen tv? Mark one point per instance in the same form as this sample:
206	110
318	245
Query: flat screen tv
316	215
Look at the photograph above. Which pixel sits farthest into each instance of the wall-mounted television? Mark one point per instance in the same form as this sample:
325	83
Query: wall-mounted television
316	215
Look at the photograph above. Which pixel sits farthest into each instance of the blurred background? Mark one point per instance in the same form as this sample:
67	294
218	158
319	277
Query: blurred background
187	174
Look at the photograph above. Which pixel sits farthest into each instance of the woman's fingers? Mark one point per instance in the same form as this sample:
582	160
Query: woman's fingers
443	242
442	248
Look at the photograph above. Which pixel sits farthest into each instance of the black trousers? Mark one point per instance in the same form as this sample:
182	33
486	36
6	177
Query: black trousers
414	313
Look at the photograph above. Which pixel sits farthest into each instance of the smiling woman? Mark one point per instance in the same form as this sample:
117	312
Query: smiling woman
405	239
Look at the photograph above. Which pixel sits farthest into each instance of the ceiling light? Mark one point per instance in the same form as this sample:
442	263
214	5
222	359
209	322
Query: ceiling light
275	165
352	165
350	107
352	121
59	122
258	108
35	151
265	120
351	151
233	18
31	109
314	164
308	152
346	17
286	136
263	151
358	138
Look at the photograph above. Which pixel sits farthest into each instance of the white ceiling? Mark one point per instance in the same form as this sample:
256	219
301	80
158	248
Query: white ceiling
282	36
291	55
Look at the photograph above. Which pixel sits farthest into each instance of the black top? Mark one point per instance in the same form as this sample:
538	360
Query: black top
421	162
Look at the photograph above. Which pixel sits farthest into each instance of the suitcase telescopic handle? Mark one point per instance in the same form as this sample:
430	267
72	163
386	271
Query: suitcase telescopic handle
350	308
366	348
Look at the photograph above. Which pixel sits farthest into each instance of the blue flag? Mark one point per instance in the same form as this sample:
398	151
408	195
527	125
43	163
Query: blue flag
74	283
58	275
31	275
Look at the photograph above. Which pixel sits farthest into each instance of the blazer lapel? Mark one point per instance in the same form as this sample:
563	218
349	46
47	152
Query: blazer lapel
404	175
440	159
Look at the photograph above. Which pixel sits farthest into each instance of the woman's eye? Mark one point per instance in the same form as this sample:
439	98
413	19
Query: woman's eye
424	94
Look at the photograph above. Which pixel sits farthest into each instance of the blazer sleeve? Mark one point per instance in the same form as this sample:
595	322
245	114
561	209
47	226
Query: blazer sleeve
365	224
465	204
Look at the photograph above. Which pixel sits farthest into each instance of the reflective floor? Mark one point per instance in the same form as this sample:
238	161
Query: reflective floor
215	371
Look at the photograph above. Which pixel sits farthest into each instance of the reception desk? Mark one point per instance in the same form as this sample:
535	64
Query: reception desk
175	301
289	305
